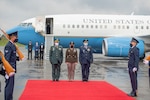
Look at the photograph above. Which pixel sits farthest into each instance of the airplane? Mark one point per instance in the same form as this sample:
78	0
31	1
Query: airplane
109	35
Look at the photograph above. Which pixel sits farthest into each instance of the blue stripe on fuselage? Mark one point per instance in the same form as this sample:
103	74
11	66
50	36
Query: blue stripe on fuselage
27	33
95	43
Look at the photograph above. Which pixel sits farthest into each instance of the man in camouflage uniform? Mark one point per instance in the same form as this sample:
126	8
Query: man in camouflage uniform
56	59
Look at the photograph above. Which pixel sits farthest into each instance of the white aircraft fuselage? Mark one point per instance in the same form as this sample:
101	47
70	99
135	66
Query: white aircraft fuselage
106	33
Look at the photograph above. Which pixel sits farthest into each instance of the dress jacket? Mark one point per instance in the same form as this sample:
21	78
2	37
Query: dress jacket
71	55
86	55
10	54
56	55
133	58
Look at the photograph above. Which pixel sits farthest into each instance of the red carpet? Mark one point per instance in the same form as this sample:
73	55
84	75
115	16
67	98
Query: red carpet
77	90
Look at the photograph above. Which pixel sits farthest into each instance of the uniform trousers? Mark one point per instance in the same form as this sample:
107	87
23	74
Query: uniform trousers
29	54
71	68
133	79
36	55
9	87
55	71
41	54
85	71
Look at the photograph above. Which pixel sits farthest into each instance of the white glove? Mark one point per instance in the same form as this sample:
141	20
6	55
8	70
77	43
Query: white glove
145	61
134	69
6	76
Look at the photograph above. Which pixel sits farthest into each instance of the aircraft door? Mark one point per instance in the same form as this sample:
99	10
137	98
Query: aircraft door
49	25
39	24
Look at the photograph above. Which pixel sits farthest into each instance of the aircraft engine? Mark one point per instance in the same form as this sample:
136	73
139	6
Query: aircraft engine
119	47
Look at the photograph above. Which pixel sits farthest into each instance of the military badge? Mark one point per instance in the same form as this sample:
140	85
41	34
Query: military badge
88	49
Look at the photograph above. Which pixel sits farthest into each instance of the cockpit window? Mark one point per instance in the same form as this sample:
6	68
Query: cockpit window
25	24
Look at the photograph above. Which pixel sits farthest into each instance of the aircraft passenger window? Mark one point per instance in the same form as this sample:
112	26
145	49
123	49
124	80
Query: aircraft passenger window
142	27
87	26
64	26
73	26
105	26
91	26
147	27
127	27
114	26
136	27
82	26
96	26
78	26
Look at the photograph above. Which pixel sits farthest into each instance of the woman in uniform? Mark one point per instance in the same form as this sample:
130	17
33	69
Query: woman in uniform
71	60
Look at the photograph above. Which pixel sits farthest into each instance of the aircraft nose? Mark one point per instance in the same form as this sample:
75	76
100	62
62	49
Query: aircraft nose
14	29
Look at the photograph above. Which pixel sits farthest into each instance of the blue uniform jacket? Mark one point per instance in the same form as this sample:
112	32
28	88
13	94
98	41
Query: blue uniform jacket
133	58
10	54
86	55
36	48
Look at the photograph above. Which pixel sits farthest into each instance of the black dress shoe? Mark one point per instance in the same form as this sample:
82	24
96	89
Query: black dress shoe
132	95
57	79
86	80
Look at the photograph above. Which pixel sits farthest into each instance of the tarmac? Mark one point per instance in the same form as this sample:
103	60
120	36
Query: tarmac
112	70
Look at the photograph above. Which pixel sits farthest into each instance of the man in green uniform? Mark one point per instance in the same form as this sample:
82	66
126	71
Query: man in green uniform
56	59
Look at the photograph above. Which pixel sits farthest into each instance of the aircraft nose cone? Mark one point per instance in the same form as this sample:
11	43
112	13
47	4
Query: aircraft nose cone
12	30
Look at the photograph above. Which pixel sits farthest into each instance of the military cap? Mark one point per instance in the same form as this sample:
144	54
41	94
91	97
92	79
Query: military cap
134	40
71	42
56	40
13	33
85	40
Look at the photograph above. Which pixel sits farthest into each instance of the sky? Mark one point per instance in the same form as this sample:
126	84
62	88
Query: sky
12	12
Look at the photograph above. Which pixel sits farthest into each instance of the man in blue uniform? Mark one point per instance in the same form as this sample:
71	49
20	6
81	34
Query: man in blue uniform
36	51
10	56
133	65
56	59
85	59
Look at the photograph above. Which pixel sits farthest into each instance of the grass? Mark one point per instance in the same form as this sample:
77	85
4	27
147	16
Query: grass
4	41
